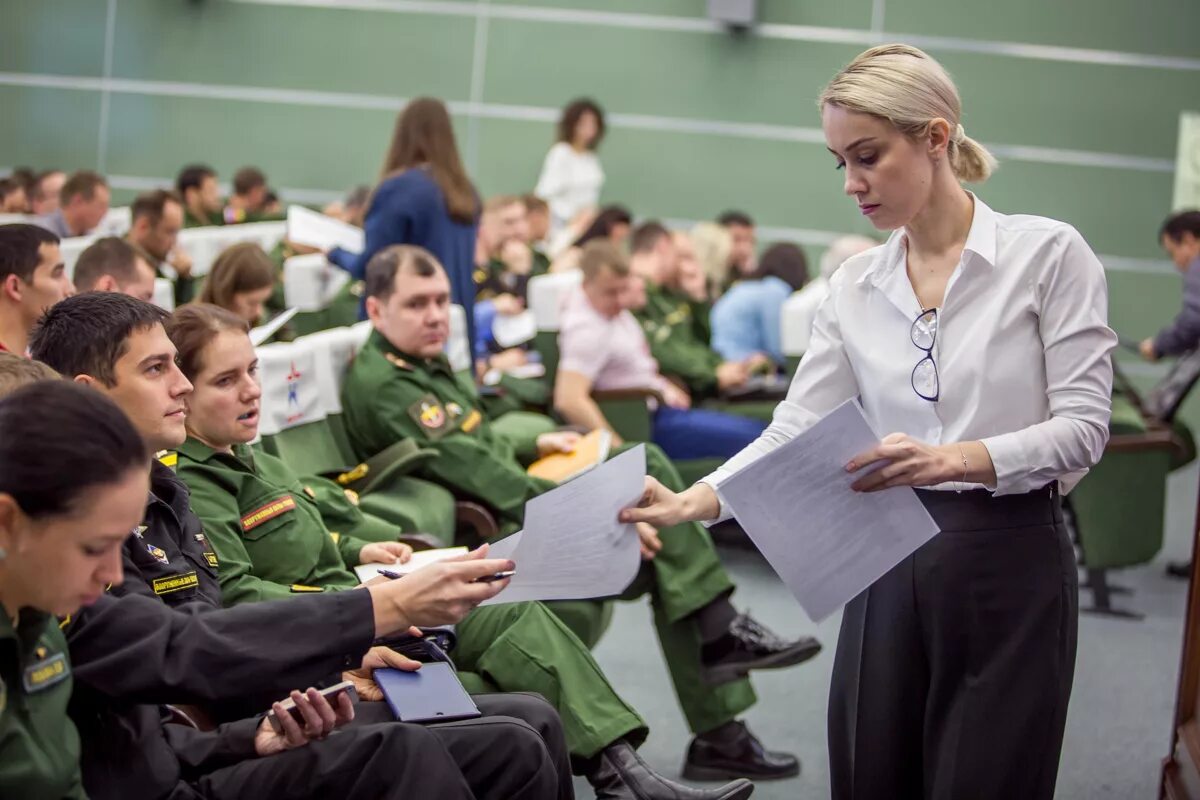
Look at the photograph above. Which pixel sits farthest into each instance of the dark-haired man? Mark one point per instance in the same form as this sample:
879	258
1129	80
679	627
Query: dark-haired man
32	279
197	186
742	258
112	265
83	202
1180	237
157	218
127	655
44	196
248	203
401	386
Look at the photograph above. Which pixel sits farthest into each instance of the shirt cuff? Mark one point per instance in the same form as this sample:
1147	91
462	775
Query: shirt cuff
723	512
1010	462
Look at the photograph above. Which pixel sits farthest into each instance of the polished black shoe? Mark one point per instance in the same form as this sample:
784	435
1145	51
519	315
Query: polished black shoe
742	756
749	646
620	774
1180	569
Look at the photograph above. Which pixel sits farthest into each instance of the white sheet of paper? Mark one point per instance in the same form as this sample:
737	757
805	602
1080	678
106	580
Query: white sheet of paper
318	230
515	329
572	546
421	558
265	331
827	542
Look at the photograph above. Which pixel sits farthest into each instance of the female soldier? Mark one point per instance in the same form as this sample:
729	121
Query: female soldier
982	337
241	280
271	539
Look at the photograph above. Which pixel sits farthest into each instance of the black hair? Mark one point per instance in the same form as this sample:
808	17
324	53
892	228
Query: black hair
88	333
733	217
647	236
785	261
192	177
74	439
571	115
1180	223
8	186
383	266
601	227
247	179
19	245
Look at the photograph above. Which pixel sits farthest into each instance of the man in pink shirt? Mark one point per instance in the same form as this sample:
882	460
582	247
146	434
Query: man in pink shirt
602	346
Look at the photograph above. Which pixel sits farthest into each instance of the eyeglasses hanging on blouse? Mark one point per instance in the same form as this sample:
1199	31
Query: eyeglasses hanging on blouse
924	336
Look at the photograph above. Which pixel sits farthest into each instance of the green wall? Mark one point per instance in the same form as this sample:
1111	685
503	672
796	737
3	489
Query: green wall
1080	99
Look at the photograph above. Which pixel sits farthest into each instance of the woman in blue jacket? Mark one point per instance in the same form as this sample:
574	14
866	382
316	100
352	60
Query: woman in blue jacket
424	197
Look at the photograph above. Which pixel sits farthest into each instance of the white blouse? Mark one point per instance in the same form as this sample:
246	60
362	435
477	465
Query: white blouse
570	182
1022	352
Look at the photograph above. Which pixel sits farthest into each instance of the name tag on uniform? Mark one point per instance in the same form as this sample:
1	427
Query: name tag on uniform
43	674
268	512
175	583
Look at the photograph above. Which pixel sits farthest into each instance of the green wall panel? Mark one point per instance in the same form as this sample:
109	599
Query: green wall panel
362	52
666	8
1163	27
675	74
48	127
60	37
841	14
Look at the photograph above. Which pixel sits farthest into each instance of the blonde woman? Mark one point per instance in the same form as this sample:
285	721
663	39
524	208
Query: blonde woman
979	342
713	244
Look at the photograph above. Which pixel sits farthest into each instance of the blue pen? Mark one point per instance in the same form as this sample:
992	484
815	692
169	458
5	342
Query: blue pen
387	573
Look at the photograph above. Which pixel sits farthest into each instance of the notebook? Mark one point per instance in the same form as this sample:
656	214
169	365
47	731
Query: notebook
591	450
420	558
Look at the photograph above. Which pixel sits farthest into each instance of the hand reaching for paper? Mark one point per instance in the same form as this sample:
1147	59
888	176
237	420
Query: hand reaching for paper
662	508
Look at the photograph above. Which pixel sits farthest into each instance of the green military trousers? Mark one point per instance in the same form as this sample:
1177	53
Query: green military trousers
522	647
685	576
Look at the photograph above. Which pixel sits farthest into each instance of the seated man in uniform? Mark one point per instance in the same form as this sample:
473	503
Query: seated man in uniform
401	386
112	265
197	187
32	279
668	320
154	234
128	657
601	346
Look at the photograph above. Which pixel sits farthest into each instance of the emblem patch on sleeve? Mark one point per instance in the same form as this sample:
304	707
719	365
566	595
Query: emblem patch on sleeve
268	512
429	413
175	583
46	672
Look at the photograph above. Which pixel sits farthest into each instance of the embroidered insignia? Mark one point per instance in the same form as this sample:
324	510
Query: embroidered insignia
472	421
432	415
209	555
267	512
140	529
175	583
356	474
46	672
397	361
158	553
454	410
300	588
352	496
168	458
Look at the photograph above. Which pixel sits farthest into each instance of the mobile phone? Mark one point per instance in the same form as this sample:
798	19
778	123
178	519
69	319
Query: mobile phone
329	694
497	576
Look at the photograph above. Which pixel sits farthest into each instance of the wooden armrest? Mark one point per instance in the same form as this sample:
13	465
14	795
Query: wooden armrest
476	517
1142	442
600	395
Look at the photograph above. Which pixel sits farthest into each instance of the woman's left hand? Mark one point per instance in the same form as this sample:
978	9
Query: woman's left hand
905	462
385	553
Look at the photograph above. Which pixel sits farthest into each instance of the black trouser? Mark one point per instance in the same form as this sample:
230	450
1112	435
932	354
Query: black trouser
498	756
954	669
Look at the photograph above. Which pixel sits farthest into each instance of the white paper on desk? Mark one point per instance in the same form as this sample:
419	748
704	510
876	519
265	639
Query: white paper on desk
263	332
572	546
318	230
510	330
420	558
827	542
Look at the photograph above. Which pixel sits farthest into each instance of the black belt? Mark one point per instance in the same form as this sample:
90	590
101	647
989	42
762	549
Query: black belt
978	509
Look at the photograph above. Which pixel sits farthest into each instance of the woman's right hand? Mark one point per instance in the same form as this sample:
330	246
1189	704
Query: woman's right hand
663	508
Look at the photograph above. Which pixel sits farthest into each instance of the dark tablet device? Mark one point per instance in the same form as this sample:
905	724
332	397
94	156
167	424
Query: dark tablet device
431	694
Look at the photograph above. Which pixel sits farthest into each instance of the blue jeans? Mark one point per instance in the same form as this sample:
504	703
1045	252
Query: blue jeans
700	433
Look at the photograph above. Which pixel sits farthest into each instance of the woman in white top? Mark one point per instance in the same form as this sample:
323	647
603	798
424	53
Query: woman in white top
982	340
571	177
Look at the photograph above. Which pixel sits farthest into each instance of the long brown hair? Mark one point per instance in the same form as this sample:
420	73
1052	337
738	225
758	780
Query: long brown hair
242	267
192	327
425	137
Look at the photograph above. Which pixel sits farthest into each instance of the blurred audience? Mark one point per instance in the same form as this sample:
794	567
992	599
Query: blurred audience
571	177
197	186
83	204
240	281
746	319
800	309
112	265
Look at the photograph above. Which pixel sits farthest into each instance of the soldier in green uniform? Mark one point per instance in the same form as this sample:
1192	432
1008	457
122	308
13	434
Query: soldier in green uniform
270	536
61	531
400	386
197	187
154	233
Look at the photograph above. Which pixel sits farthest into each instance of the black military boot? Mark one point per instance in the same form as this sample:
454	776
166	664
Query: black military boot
620	774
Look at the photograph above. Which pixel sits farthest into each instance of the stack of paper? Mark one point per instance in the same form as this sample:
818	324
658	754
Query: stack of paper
325	233
420	558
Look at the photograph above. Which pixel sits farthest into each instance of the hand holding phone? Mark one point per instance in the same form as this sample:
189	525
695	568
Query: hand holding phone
296	705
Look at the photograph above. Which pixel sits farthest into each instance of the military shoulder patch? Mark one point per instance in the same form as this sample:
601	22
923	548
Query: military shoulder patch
175	583
429	413
398	362
300	588
46	672
356	474
267	512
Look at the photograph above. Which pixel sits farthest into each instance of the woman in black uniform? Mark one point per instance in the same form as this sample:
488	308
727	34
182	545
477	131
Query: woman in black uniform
982	339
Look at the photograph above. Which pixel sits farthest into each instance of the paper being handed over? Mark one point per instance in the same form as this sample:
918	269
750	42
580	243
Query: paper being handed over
572	546
827	542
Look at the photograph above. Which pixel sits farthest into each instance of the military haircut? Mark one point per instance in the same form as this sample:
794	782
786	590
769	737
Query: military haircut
19	245
108	256
192	177
646	236
16	371
58	440
151	205
599	255
733	218
383	266
247	179
88	333
534	204
83	183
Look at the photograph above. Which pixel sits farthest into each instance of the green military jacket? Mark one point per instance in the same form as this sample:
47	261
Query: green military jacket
190	220
673	334
39	746
185	288
268	526
389	395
